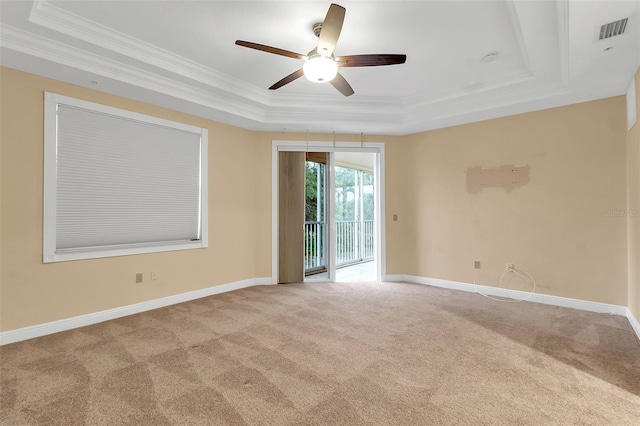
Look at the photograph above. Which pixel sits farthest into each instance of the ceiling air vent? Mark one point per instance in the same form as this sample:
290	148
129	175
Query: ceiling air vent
613	29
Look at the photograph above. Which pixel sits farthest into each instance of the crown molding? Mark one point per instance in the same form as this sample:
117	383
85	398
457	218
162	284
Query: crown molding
47	15
506	80
317	117
296	112
45	48
214	95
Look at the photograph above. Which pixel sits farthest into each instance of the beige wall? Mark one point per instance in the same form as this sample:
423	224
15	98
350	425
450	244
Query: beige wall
1	74
32	292
239	215
633	194
554	228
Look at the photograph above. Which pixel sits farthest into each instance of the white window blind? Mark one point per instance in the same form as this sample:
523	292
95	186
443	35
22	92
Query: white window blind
124	183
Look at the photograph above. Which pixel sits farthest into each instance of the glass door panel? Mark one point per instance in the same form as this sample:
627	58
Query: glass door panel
354	217
315	225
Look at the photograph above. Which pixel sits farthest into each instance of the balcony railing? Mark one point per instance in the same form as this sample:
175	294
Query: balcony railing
314	243
354	243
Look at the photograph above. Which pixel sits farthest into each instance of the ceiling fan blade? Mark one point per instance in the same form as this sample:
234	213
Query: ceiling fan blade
288	79
372	60
342	85
270	49
331	28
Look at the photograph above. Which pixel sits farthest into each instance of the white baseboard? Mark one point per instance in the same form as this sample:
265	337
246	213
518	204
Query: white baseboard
634	323
546	299
25	333
31	332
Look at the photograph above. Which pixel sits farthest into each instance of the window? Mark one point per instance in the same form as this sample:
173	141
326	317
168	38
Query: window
119	183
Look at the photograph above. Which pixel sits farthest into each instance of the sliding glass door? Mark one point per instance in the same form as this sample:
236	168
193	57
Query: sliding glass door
339	220
339	216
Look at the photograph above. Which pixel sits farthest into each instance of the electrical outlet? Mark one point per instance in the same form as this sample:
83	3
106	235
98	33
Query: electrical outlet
510	267
154	275
476	264
138	277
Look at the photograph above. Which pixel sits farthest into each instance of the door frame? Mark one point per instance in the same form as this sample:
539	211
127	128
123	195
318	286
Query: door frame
320	146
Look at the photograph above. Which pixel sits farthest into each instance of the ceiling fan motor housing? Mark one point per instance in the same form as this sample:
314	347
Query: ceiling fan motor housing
317	27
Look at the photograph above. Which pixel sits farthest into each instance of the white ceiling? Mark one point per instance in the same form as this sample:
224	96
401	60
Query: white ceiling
358	160
181	55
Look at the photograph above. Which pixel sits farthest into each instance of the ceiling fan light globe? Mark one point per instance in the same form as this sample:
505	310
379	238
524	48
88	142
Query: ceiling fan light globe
320	69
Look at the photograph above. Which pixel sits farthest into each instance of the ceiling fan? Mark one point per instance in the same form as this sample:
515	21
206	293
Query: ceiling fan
320	65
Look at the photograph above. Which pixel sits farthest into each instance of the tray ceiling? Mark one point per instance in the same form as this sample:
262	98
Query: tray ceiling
181	55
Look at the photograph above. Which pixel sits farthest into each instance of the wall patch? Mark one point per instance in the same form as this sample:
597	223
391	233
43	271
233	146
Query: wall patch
507	177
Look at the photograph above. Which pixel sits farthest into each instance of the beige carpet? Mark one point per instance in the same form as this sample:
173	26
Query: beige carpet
376	353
